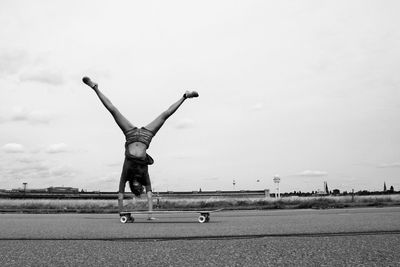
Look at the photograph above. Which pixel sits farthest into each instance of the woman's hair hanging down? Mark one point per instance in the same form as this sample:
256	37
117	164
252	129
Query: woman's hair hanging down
136	188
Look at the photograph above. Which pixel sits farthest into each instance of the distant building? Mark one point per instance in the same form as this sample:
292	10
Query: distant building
320	193
43	190
267	193
62	189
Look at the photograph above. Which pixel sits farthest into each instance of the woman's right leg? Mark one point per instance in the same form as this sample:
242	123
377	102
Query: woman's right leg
122	122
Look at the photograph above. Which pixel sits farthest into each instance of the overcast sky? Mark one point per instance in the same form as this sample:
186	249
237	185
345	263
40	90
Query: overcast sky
308	90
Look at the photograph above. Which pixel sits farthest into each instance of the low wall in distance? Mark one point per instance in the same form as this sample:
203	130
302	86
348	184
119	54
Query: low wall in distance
164	195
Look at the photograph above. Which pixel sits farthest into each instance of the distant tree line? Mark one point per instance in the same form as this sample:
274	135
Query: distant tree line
337	192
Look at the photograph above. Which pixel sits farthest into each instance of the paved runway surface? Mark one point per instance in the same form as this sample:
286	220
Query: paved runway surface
337	237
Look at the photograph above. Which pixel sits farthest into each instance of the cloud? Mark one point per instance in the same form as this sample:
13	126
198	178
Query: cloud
13	148
211	179
12	61
31	116
19	62
390	165
113	180
181	155
43	76
312	173
39	169
26	159
57	148
112	177
257	106
106	182
62	171
184	124
114	164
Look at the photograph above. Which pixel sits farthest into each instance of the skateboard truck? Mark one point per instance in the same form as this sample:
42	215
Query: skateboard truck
204	217
126	218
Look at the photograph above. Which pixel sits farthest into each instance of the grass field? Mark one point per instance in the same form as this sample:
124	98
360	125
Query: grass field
110	206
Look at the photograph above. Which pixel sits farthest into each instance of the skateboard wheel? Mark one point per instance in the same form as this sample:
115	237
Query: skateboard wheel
123	219
202	219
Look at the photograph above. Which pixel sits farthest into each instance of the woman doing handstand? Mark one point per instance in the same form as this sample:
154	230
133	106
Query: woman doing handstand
135	168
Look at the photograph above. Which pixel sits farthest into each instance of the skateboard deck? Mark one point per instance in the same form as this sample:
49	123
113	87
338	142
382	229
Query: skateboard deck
128	216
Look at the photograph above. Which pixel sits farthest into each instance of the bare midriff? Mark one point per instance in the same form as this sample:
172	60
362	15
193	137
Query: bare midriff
137	150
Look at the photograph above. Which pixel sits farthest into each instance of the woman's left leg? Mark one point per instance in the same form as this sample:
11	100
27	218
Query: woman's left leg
156	124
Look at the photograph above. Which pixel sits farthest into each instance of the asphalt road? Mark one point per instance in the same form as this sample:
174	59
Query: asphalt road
337	237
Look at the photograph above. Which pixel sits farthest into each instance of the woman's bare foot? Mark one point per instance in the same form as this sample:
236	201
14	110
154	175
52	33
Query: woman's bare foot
89	82
191	94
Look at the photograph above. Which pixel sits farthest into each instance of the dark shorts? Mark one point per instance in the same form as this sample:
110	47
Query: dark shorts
135	170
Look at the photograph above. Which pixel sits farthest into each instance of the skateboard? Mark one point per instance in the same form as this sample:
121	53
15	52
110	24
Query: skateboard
128	216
